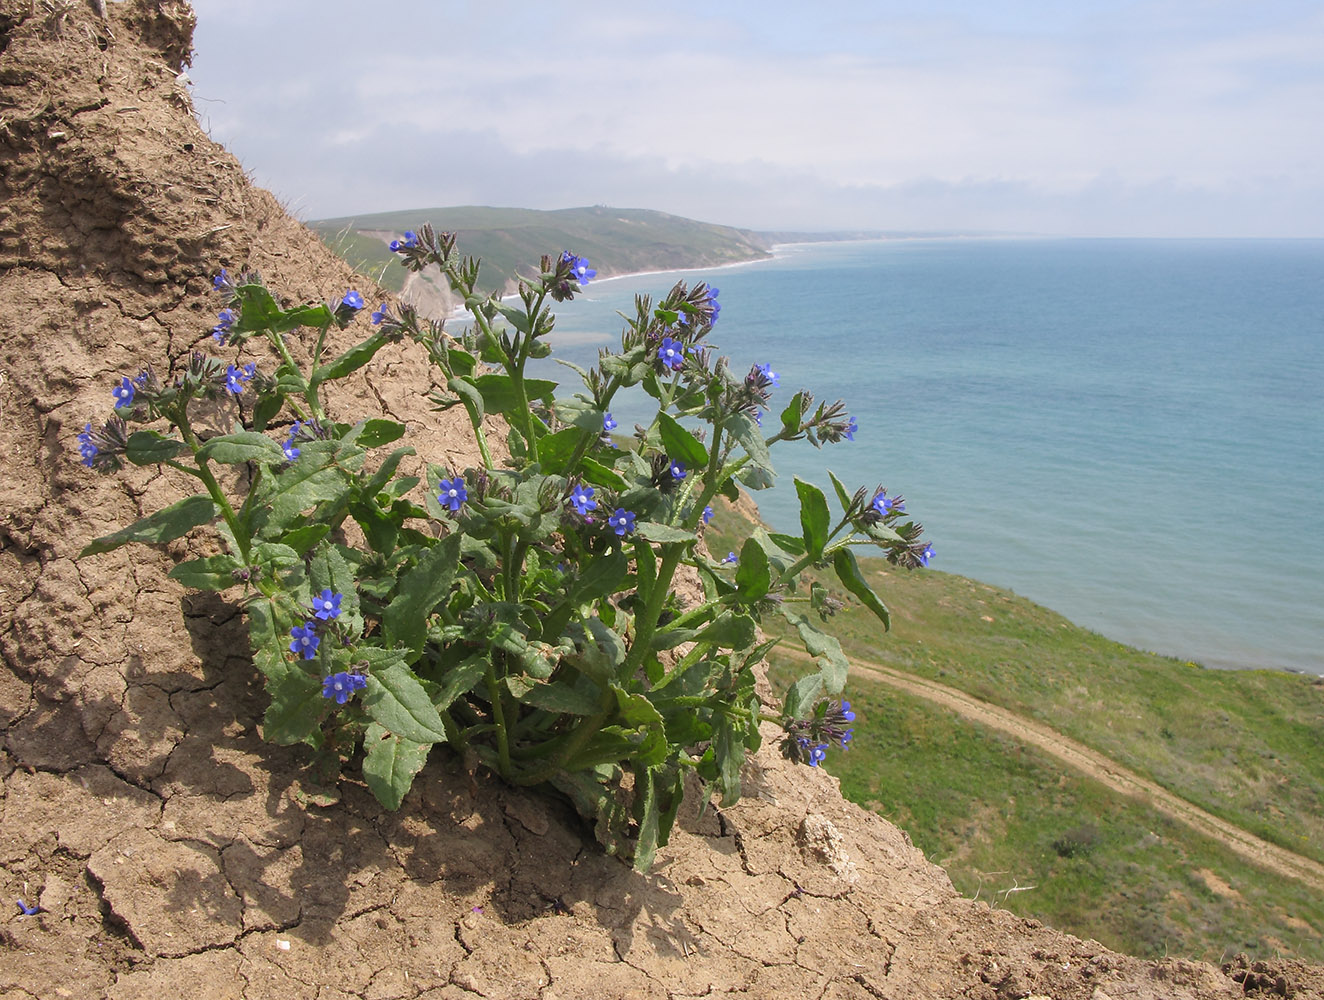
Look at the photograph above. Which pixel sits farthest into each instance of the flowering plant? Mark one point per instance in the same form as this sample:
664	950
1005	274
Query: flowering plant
523	613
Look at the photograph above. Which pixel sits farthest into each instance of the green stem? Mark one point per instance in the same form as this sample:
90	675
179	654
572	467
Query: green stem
309	392
646	620
213	487
499	717
584	732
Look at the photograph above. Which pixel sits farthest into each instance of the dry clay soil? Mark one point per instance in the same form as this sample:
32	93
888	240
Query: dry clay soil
172	852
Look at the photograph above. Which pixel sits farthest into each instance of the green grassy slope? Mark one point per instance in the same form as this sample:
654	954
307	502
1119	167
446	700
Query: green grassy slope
1245	745
617	241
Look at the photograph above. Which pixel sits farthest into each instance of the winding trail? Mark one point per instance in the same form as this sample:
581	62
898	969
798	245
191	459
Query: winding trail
1103	769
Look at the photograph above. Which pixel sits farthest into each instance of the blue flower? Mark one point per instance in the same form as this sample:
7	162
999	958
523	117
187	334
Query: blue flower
305	641
817	754
730	557
677	470
326	605
340	686
236	377
846	713
771	376
221	281
28	911
758	417
580	266
123	393
846	737
849	433
379	314
671	353
926	555
221	330
452	493
608	424
622	521
714	307
352	300
85	446
582	499
707	514
885	505
291	452
408	243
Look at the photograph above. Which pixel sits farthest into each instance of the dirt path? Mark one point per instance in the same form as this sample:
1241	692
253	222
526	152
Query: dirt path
1102	769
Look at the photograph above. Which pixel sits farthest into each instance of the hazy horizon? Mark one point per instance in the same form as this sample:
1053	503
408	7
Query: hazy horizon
1163	118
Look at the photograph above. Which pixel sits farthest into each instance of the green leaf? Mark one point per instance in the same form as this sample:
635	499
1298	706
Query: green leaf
564	697
378	432
655	532
848	571
499	395
274	557
296	709
517	318
750	436
468	392
729	748
791	415
151	448
842	496
753	576
788	543
165	525
420	590
261	312
680	444
244	446
598	474
398	701
645	797
351	361
459	679
578	413
304	538
601	576
598	650
815	520
267	407
390	764
210	573
832	663
301	486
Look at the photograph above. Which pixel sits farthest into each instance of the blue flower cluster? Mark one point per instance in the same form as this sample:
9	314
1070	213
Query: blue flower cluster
808	741
581	498
292	452
671	353
453	493
226	319
235	377
409	241
342	685
580	267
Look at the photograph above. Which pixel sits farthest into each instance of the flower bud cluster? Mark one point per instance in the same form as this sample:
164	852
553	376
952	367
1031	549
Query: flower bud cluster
808	740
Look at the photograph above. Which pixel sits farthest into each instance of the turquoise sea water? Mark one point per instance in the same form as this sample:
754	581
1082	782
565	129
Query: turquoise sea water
1130	432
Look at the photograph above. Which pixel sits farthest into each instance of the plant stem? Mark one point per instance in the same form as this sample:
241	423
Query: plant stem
499	717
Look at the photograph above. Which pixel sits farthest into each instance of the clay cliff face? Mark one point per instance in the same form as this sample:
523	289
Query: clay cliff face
171	851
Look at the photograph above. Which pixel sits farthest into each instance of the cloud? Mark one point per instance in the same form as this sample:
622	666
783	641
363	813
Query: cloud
1097	116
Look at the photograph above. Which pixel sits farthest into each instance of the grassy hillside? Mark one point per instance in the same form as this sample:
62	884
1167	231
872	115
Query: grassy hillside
1027	833
617	241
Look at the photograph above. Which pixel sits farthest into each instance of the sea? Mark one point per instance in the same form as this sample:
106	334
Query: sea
1129	432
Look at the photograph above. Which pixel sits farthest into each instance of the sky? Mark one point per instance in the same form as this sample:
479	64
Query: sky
1169	118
